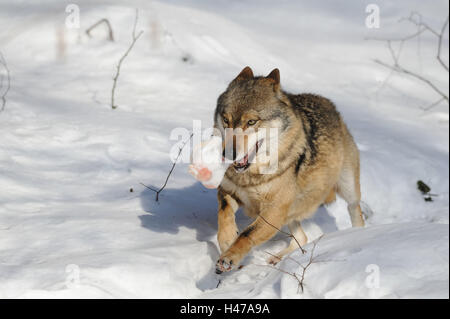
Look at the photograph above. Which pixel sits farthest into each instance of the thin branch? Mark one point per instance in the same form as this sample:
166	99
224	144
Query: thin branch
420	23
105	21
301	277
432	105
116	77
133	34
158	191
400	69
288	257
396	67
290	235
310	262
8	82
441	37
279	269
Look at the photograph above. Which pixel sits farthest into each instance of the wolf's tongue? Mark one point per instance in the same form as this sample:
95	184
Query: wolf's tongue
244	160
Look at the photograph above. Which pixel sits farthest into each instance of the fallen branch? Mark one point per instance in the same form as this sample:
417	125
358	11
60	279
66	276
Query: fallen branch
158	191
8	82
119	65
301	277
310	262
108	25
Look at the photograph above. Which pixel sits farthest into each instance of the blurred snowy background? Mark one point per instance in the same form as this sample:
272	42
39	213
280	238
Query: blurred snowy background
75	220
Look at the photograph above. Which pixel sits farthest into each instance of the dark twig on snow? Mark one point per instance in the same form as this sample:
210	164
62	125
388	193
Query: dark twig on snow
158	191
397	67
2	80
135	37
301	277
311	260
108	25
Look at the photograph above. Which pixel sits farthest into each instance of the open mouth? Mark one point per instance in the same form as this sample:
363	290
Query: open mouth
244	163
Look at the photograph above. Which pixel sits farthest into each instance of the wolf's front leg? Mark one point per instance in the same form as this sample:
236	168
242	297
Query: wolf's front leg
299	239
227	229
262	229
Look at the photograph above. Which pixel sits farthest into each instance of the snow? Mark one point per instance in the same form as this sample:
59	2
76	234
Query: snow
344	262
69	225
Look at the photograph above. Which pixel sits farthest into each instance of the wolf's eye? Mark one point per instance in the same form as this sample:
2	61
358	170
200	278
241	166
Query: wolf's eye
251	122
225	120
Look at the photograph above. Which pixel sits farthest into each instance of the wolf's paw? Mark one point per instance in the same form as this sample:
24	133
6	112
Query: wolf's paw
273	260
224	264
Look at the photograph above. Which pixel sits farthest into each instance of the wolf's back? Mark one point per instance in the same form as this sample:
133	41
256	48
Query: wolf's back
321	121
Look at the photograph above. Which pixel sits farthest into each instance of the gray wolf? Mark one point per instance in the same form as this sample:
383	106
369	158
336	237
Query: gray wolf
317	159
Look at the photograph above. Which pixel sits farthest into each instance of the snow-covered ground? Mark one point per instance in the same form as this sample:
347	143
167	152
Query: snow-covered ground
69	225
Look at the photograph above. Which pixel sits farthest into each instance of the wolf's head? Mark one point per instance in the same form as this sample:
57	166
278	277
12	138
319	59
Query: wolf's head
250	107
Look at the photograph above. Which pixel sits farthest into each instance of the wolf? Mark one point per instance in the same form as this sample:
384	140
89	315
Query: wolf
317	159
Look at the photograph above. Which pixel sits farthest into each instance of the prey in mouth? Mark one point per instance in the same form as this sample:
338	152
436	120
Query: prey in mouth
244	163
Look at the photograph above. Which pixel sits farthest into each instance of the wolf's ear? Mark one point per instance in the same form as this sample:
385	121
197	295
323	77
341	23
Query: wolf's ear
246	74
275	76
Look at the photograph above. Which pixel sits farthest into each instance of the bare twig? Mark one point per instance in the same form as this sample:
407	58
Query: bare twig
432	105
425	27
396	67
119	65
288	257
108	25
8	82
158	191
400	69
441	37
301	276
311	260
